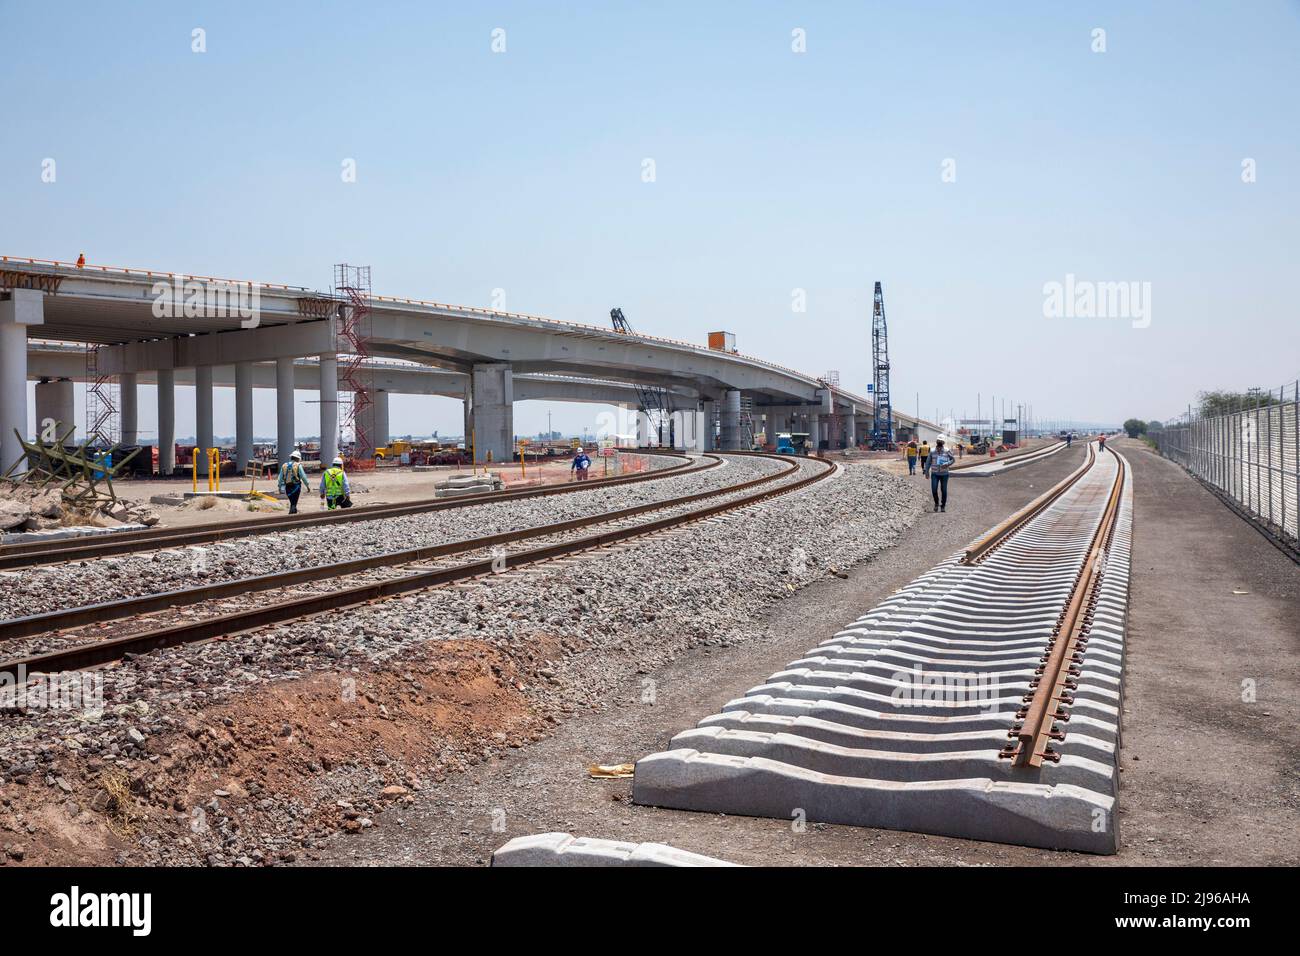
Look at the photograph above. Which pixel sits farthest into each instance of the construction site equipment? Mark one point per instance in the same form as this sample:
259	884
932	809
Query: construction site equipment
356	382
792	443
84	476
723	341
652	400
102	422
882	425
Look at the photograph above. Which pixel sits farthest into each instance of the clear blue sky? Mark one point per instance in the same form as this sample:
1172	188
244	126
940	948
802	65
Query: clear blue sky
775	171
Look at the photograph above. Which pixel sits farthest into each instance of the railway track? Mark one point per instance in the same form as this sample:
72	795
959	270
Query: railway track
996	466
384	573
31	554
980	701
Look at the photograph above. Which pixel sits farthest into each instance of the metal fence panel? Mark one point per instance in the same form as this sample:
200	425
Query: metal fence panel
1251	454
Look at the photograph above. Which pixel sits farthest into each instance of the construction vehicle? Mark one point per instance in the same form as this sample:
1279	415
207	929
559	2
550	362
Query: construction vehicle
792	443
393	450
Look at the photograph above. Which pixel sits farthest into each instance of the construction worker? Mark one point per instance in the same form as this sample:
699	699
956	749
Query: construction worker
81	261
939	466
924	454
1101	442
580	464
293	479
911	457
335	490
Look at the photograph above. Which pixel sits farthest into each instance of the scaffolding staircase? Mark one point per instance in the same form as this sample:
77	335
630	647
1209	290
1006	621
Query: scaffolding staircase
356	382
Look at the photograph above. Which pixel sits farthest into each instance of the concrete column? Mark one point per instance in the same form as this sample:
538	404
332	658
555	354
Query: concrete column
329	407
492	394
56	402
374	425
731	438
22	308
690	429
850	431
166	421
243	415
382	429
814	431
203	415
468	406
284	436
643	435
129	391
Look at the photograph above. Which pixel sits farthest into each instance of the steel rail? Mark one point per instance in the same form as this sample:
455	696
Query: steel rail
64	619
1056	677
79	549
1018	458
103	652
999	533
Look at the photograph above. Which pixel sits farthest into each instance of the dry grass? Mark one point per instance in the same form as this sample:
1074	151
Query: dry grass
206	503
120	812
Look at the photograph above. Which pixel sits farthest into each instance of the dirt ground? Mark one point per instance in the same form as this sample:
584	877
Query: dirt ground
382	486
1208	778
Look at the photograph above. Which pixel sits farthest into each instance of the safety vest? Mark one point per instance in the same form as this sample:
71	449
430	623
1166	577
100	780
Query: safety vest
925	451
334	482
291	474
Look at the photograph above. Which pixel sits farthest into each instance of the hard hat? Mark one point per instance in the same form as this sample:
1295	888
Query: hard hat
579	451
296	454
338	461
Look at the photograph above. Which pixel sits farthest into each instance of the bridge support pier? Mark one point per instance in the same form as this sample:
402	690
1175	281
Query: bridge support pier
166	421
731	437
56	402
374	422
284	425
203	415
329	407
491	411
22	308
243	415
129	391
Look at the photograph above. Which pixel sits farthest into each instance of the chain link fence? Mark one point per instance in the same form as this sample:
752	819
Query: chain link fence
1247	448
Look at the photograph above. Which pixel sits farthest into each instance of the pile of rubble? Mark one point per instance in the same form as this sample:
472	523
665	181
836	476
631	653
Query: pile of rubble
26	508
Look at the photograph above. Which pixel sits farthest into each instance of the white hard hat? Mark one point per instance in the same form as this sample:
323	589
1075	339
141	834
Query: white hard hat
338	460
579	451
296	454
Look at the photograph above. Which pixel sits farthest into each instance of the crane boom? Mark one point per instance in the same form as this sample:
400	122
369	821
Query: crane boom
882	426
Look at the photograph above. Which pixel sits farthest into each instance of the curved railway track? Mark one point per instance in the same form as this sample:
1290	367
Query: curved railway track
14	556
623	525
980	701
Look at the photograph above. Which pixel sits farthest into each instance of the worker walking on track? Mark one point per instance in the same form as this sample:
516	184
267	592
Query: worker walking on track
939	466
581	463
911	457
1101	442
335	490
293	479
924	453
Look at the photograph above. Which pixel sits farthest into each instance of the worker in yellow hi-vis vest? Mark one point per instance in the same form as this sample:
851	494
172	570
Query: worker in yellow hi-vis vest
335	490
924	454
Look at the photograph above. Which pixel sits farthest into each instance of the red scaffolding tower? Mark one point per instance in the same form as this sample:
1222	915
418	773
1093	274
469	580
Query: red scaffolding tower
356	385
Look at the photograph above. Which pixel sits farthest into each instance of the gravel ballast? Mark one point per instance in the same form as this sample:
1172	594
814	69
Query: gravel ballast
56	586
538	645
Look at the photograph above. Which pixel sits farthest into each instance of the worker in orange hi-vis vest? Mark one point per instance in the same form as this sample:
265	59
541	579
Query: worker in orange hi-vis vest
81	261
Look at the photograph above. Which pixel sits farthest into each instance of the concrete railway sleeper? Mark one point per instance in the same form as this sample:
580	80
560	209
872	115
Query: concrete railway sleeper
95	653
982	700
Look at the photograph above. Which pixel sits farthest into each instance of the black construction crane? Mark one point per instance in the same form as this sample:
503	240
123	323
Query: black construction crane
654	401
882	425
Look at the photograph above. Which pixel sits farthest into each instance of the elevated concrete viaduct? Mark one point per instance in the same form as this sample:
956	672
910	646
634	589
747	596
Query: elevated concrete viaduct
163	328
